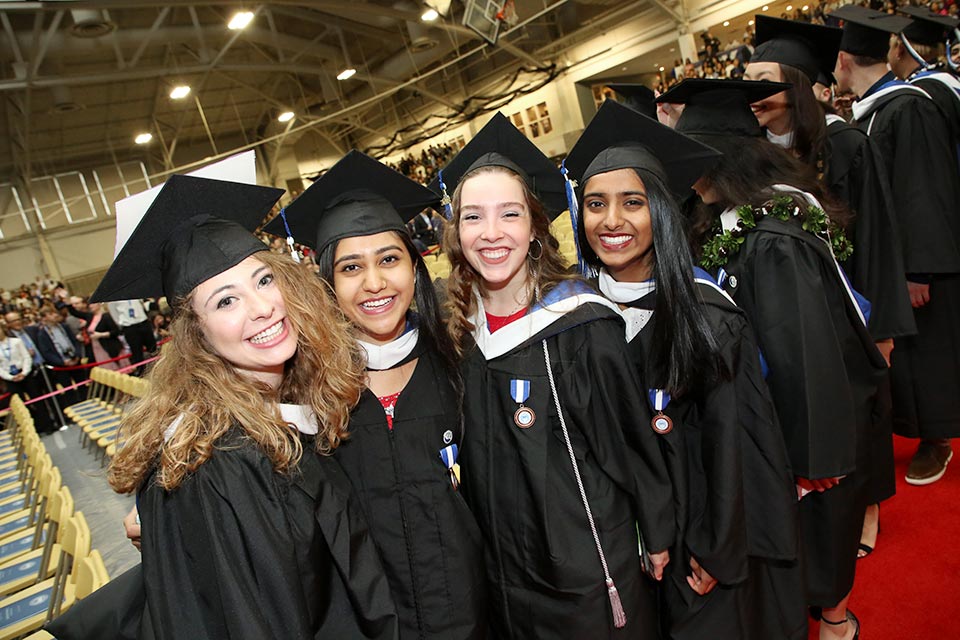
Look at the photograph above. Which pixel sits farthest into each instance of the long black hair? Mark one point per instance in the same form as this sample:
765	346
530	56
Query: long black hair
806	117
684	353
750	166
431	326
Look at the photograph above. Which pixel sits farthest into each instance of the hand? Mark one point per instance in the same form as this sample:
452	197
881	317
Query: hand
919	294
659	561
819	485
699	580
886	348
132	527
18	377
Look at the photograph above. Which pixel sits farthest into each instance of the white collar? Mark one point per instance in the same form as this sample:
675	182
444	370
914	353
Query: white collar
942	77
865	106
300	416
624	292
493	345
784	141
386	356
832	117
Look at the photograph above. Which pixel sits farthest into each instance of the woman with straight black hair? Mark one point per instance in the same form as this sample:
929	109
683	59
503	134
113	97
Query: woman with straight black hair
405	433
775	248
848	165
734	572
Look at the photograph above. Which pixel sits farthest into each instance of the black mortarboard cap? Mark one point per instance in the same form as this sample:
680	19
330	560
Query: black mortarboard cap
620	138
195	229
638	97
811	48
927	27
500	144
866	32
358	196
720	107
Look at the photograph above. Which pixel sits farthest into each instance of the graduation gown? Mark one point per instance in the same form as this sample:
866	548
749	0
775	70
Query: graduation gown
735	499
239	551
544	571
921	162
429	542
855	174
823	373
944	89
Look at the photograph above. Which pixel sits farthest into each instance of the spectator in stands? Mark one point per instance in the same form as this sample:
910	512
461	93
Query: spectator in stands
248	532
60	349
18	373
131	316
101	330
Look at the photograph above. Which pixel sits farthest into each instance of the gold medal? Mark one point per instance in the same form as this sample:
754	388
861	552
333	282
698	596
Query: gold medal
662	423
524	417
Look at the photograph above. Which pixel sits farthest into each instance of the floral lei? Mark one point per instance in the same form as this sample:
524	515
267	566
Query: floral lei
725	244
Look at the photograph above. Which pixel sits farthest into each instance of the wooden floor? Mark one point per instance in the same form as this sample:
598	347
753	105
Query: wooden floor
103	508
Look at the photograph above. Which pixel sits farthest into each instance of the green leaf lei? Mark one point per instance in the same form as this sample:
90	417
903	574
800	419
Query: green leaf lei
724	244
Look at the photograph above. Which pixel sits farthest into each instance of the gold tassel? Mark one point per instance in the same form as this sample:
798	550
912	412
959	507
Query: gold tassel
619	617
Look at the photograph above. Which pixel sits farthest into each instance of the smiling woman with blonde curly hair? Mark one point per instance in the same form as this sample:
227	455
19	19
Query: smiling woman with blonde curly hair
249	530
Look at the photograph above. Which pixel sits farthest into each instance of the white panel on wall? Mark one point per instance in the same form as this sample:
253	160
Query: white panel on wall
19	265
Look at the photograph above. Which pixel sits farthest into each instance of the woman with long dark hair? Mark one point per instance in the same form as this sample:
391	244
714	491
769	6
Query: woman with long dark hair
850	168
406	431
248	529
734	572
775	248
560	459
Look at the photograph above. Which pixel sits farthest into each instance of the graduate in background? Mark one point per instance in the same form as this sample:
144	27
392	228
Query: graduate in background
921	165
407	429
247	530
560	462
734	570
774	249
851	169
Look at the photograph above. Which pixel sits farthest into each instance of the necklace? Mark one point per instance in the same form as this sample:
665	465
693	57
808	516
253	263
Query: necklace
718	250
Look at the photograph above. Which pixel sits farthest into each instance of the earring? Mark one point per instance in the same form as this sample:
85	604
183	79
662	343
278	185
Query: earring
539	253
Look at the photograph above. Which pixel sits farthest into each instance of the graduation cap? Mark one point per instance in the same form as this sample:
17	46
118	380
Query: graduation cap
358	196
927	27
639	97
195	229
866	32
500	144
620	138
811	48
720	107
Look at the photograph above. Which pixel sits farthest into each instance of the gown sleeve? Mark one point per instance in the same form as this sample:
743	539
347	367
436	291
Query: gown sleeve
795	305
748	502
603	388
218	554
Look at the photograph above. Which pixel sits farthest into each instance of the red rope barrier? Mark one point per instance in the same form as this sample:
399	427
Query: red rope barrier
90	365
87	381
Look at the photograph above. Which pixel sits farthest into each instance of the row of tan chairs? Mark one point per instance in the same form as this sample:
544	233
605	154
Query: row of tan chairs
46	561
111	395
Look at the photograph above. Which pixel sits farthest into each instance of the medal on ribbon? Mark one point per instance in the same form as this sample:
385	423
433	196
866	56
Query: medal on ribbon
449	456
661	422
520	391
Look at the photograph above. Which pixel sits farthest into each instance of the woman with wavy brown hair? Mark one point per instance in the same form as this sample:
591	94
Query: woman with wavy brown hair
248	530
559	463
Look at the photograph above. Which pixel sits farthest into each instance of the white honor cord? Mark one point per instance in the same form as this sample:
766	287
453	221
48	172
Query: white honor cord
619	617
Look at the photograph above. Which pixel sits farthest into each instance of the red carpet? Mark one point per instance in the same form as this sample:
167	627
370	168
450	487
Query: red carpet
906	589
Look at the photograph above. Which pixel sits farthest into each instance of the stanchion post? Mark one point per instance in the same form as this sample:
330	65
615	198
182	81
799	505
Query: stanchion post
50	389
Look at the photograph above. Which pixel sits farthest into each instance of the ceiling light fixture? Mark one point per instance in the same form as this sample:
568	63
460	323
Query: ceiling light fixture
143	138
765	7
726	23
750	23
240	20
346	74
789	7
429	15
661	69
286	116
805	7
180	92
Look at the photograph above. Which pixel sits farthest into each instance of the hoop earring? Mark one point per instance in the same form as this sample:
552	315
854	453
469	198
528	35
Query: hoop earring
539	254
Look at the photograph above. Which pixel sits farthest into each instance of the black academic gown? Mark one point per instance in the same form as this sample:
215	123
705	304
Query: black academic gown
546	580
735	498
855	174
823	373
942	87
239	551
912	136
429	542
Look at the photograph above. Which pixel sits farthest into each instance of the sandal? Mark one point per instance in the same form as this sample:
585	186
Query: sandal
851	617
865	549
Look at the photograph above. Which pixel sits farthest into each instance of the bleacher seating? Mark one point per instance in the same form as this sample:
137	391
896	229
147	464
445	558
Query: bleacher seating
46	561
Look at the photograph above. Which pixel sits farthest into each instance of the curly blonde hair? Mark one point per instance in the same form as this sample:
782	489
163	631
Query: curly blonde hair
545	272
327	372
